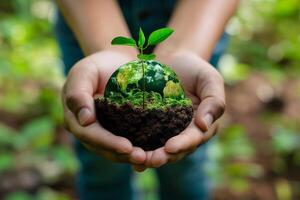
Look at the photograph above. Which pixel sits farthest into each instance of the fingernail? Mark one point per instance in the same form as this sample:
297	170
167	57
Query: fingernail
208	119
83	116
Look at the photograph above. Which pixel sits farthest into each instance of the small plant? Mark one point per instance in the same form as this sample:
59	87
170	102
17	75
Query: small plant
143	99
155	38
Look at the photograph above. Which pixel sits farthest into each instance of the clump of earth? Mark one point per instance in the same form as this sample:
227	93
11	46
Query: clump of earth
146	106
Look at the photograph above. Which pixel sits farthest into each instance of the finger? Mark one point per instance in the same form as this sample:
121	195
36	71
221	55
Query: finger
139	168
115	157
210	90
78	91
82	105
137	156
161	157
97	136
148	158
209	110
187	140
158	158
209	134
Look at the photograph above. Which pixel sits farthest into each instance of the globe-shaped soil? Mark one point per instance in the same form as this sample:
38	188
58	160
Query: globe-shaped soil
144	102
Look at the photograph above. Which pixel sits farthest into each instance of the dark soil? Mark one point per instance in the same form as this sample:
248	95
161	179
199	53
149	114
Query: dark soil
145	128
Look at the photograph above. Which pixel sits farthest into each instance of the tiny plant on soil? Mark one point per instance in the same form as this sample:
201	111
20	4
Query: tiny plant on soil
143	99
155	38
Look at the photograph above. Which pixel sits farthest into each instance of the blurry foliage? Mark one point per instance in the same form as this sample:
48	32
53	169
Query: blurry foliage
43	194
28	59
265	39
231	156
147	183
30	108
286	145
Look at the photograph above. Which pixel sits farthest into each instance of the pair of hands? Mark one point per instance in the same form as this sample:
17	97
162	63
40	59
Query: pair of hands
201	82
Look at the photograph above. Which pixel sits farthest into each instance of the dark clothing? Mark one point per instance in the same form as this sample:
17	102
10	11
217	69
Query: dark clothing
99	178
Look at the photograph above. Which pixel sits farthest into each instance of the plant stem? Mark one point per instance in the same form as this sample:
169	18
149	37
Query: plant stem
143	68
143	84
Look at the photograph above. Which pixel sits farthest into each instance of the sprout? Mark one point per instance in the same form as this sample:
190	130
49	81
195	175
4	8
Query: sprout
155	38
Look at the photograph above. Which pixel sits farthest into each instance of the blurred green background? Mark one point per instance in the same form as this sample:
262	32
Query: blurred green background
255	156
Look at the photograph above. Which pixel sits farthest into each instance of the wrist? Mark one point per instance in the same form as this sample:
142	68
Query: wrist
129	52
169	52
174	49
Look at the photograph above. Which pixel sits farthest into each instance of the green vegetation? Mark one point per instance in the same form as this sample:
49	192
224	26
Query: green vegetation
154	100
255	155
155	38
157	87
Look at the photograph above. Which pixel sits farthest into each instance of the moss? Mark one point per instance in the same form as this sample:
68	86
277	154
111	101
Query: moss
153	100
162	86
172	89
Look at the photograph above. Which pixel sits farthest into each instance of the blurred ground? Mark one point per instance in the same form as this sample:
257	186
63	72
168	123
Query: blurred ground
255	156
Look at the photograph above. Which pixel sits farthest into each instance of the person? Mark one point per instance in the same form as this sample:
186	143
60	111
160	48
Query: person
84	31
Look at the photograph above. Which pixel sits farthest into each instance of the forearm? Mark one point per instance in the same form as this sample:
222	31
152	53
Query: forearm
198	25
95	23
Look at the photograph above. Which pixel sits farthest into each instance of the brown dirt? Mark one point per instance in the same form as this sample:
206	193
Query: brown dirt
145	128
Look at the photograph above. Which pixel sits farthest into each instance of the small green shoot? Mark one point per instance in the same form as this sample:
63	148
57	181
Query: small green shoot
155	38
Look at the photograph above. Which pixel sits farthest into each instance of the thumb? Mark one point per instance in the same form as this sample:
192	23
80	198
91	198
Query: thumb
209	110
77	94
210	90
82	105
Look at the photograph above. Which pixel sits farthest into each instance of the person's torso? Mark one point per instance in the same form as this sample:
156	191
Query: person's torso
146	14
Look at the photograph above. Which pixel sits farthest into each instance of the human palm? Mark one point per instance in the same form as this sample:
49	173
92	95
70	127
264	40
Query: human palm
87	78
205	87
202	84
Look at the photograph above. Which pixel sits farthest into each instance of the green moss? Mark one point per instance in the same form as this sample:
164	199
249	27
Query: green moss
162	86
172	89
153	100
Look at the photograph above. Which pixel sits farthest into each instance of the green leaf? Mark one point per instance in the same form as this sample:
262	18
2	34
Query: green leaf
159	35
123	41
142	39
6	161
37	134
146	56
18	195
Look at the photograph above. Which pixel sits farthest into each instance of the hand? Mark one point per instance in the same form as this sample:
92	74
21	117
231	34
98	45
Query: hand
204	86
86	78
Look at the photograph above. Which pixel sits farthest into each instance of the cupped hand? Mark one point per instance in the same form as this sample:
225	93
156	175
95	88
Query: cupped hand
86	78
204	86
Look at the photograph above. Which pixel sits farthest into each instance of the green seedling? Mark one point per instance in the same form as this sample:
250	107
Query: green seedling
155	38
144	100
